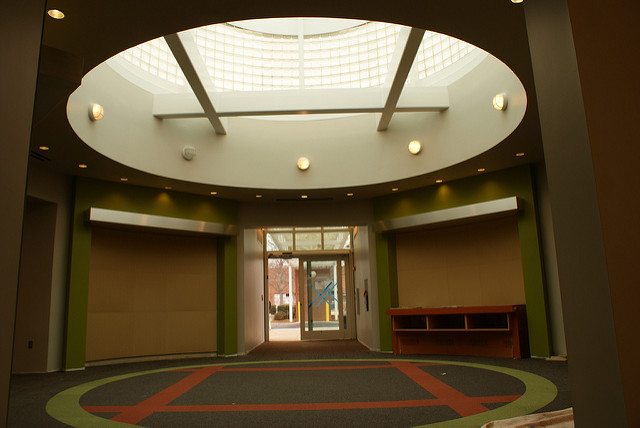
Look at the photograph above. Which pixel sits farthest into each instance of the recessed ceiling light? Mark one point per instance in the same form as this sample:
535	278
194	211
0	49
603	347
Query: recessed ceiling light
304	196
96	112
124	179
214	193
303	164
517	1
55	14
394	189
82	165
500	102
258	196
439	180
520	154
481	170
350	194
415	147
45	148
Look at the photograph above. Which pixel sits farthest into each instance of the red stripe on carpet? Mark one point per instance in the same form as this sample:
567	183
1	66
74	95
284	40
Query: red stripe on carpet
460	403
277	369
304	406
134	414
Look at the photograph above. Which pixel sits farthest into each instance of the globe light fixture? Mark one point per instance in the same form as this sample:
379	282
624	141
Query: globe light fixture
303	164
96	112
415	147
500	102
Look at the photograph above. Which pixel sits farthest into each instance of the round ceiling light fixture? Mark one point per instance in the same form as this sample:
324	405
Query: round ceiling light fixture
96	112
415	147
500	102
303	164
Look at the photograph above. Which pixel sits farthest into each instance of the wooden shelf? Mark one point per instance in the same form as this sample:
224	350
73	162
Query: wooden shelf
498	331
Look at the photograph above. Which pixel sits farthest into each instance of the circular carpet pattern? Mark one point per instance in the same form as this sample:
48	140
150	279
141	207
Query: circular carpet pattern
355	392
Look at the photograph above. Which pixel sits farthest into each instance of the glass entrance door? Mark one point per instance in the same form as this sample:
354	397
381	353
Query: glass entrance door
324	298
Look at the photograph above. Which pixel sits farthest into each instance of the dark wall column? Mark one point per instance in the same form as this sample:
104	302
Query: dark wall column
586	289
21	32
609	80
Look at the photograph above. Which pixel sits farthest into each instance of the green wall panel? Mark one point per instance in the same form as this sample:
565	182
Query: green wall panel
227	296
387	284
486	187
124	197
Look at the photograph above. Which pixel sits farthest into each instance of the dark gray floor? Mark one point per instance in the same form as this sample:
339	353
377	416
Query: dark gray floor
30	393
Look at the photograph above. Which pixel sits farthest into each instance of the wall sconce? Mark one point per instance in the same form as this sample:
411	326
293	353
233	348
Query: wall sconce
500	102
415	147
303	164
96	112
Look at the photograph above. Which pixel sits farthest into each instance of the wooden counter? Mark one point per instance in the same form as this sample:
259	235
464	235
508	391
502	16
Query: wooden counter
489	331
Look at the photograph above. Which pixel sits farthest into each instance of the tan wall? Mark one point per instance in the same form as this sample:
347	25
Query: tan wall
469	265
34	290
150	294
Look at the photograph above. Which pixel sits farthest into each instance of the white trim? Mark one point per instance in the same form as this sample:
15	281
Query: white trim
465	212
104	216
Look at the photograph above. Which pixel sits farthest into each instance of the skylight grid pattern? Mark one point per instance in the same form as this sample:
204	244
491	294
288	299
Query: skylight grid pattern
156	58
437	52
238	59
355	58
243	60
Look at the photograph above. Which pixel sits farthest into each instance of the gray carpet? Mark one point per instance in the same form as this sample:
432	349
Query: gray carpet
30	393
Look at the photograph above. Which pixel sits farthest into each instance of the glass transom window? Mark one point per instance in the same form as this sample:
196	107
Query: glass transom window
309	239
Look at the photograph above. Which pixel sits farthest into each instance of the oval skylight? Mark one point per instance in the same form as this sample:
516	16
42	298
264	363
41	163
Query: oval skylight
373	87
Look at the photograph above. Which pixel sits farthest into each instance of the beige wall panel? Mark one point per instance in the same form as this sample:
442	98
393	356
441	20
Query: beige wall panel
416	294
148	333
150	294
463	282
468	265
187	332
101	342
182	287
110	290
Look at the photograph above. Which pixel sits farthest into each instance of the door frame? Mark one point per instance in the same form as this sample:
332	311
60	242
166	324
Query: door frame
351	331
343	263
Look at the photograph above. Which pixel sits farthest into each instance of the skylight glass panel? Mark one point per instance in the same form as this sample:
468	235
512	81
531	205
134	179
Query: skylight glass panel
155	58
245	60
437	52
358	57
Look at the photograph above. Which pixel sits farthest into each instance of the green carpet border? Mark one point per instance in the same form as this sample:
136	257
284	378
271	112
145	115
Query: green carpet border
65	406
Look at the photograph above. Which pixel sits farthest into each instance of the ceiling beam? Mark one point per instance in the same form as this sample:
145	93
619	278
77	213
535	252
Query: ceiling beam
292	102
409	52
190	61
